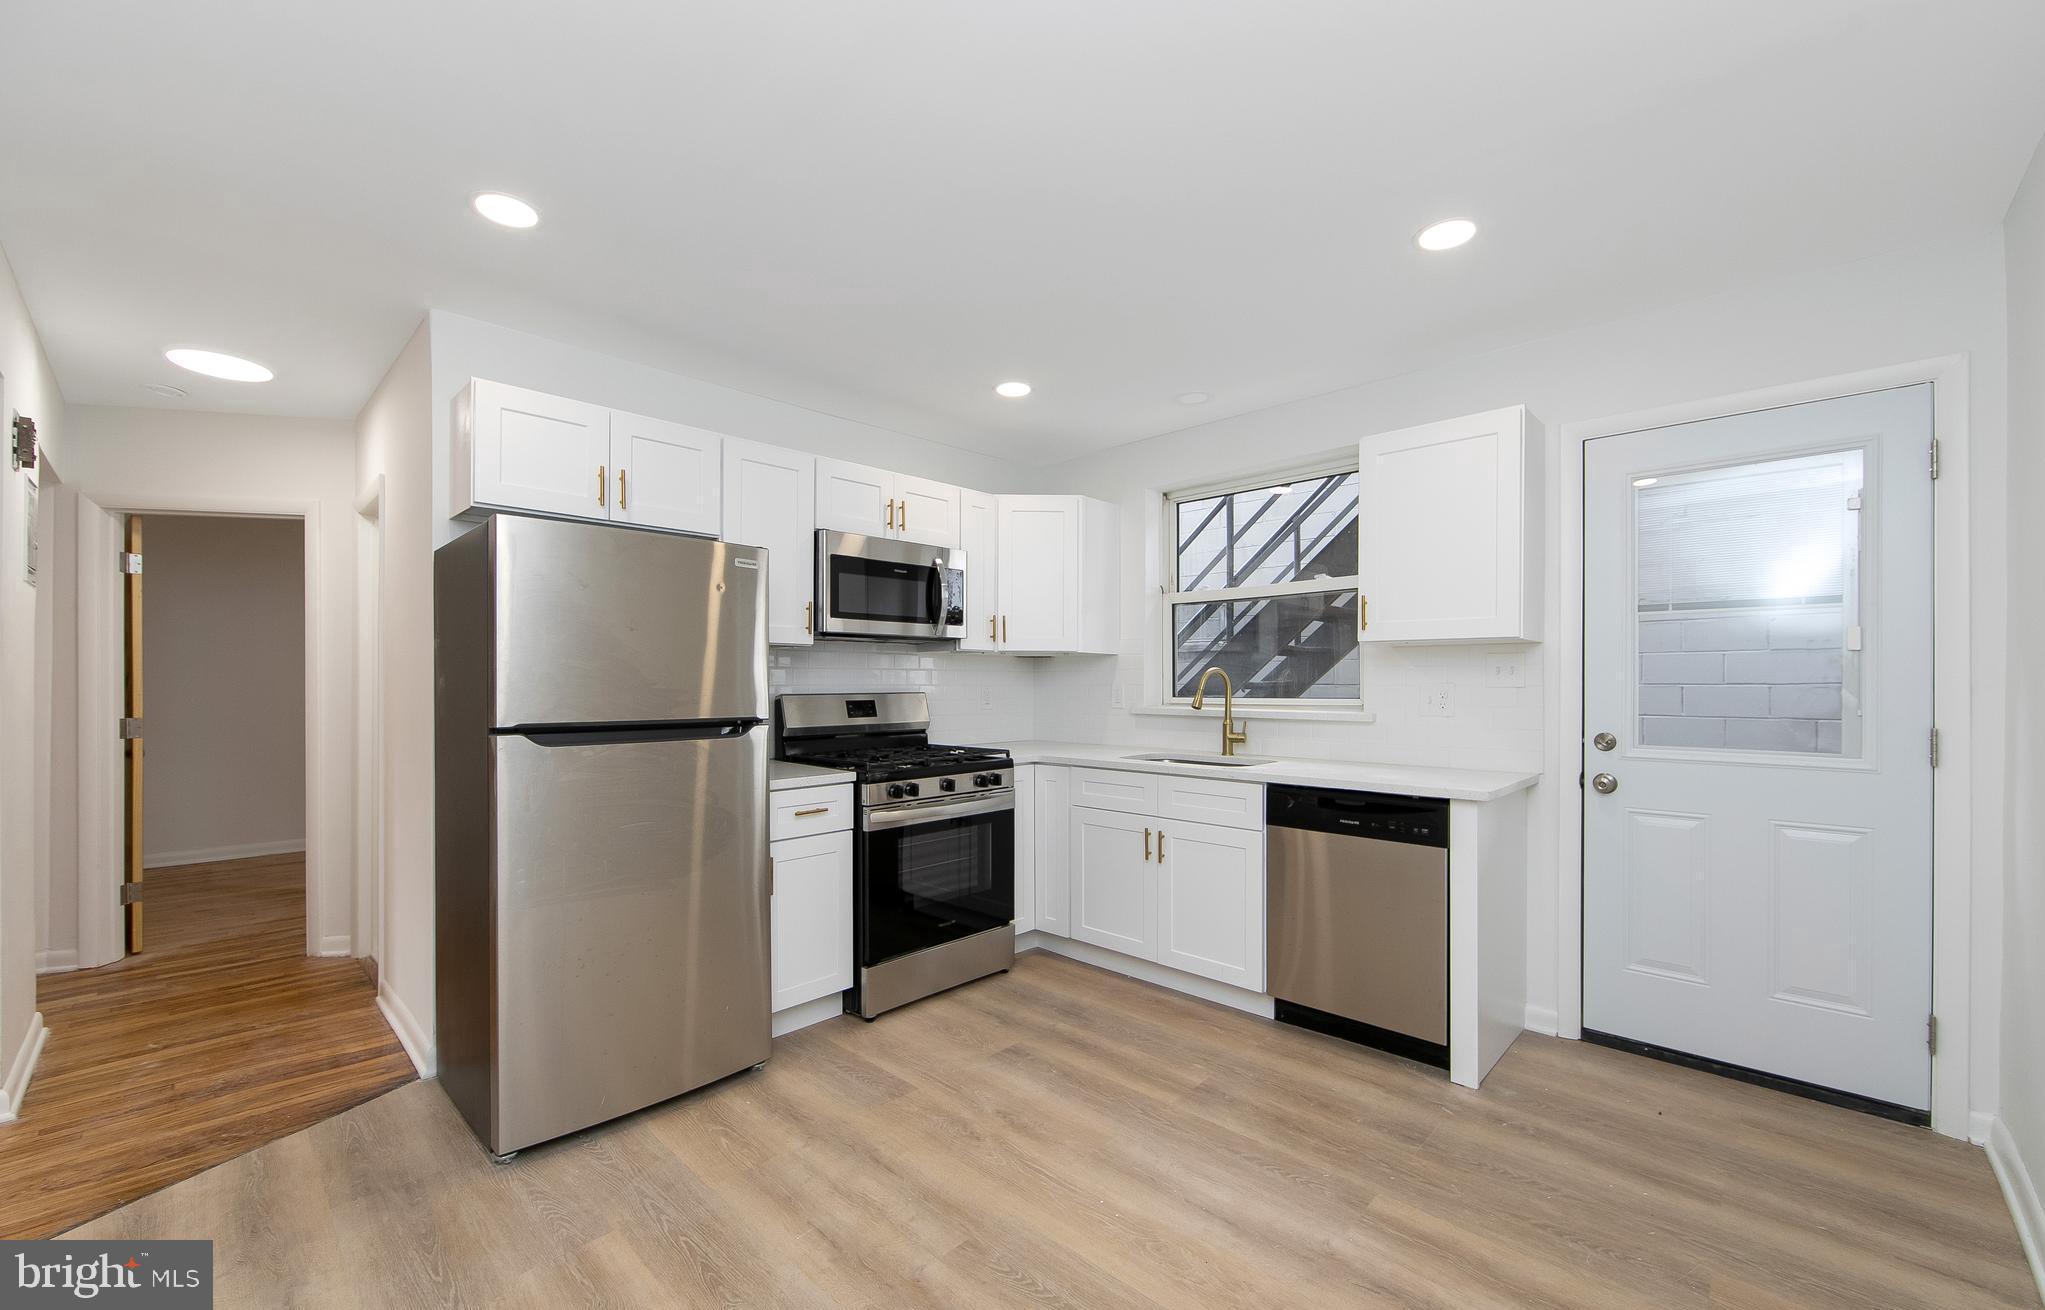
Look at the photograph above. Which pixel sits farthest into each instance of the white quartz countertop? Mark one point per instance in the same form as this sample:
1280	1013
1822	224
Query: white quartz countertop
781	775
1403	779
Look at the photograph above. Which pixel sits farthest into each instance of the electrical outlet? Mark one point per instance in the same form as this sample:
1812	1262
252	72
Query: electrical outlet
1115	696
986	698
1438	701
1502	668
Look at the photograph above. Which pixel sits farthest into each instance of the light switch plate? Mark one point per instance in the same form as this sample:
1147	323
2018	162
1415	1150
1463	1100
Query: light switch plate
1504	668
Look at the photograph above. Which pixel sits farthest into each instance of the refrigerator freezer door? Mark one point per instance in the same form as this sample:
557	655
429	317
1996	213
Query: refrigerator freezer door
600	624
631	934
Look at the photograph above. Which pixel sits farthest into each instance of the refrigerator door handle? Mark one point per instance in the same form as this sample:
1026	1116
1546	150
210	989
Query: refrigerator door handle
582	734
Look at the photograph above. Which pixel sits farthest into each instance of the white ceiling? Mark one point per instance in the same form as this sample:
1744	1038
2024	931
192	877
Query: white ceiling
882	209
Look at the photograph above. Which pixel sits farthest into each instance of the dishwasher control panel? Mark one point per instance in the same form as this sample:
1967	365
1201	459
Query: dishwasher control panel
1415	820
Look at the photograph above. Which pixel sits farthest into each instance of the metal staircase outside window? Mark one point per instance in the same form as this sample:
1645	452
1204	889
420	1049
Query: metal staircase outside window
1265	588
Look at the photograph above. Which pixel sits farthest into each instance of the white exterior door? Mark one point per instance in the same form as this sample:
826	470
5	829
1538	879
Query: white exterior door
542	453
770	500
855	498
1114	888
666	475
1210	902
1757	720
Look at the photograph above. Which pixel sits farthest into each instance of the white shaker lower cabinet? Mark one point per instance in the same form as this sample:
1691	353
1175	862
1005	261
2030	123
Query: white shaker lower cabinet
1051	829
1114	890
666	475
1451	522
811	912
525	450
770	500
1210	902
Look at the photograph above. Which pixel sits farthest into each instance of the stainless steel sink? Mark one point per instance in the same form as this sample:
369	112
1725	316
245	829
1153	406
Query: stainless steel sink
1218	761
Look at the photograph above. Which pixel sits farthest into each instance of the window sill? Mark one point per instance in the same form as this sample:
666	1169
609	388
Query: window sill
1292	713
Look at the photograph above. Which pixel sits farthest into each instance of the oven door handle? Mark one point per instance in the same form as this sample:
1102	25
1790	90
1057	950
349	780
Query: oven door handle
903	816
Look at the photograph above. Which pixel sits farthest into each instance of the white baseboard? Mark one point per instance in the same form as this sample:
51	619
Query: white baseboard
411	1034
342	944
57	961
797	1017
1541	1019
2022	1194
21	1067
213	854
1159	975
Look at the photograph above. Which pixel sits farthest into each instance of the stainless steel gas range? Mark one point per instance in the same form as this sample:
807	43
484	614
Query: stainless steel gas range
934	865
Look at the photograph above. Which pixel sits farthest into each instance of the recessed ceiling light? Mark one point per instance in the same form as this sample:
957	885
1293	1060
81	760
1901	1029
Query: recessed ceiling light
1195	398
213	364
1447	234
1645	482
166	390
510	211
1012	390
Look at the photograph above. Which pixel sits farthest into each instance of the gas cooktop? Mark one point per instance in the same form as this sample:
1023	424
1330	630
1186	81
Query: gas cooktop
893	763
882	737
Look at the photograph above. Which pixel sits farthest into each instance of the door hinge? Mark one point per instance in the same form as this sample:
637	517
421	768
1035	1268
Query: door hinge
1934	459
131	892
1934	748
130	729
1931	1033
131	561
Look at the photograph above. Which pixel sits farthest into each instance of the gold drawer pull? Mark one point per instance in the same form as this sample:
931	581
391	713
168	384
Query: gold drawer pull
603	483
1146	843
812	811
1160	845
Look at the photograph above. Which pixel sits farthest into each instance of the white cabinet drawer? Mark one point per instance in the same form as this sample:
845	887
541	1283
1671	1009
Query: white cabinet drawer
1211	800
809	810
1112	789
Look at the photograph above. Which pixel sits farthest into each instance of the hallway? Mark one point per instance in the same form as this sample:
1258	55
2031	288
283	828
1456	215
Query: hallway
222	1036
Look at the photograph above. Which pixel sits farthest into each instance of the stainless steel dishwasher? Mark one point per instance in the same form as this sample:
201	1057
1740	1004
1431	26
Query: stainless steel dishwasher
1359	917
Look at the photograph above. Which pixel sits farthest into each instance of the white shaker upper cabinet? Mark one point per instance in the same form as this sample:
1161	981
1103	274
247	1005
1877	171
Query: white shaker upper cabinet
927	511
979	529
665	475
1058	582
770	501
855	498
1451	522
525	450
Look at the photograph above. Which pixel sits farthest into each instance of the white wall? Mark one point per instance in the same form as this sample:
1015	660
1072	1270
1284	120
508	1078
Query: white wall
1938	299
27	387
182	460
2023	1046
56	909
223	664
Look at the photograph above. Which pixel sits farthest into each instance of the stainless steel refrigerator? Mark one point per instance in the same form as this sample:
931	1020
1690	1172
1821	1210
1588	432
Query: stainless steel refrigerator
601	882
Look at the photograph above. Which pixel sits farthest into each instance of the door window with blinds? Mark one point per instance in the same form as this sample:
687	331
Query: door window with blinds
1263	586
1747	587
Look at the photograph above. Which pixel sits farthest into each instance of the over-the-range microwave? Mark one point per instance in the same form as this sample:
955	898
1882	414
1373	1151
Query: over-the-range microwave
877	587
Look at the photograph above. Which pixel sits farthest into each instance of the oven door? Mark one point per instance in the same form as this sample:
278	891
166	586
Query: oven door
879	587
933	873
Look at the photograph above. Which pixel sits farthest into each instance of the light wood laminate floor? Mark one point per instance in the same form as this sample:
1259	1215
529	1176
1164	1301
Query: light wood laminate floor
221	1036
1062	1136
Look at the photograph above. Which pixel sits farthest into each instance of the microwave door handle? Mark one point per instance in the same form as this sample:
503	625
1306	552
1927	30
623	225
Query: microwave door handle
936	594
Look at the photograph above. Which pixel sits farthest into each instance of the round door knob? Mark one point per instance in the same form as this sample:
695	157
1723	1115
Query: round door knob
1605	784
1605	741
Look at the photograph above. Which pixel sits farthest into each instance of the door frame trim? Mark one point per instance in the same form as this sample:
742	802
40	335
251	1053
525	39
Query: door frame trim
1953	873
319	843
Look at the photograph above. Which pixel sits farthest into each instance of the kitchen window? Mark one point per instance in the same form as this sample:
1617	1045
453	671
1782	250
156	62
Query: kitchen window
1263	585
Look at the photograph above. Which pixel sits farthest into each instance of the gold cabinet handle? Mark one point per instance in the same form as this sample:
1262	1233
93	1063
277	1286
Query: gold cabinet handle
1362	612
621	488
812	811
1160	845
809	618
891	514
1146	843
1004	629
991	636
905	516
603	482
